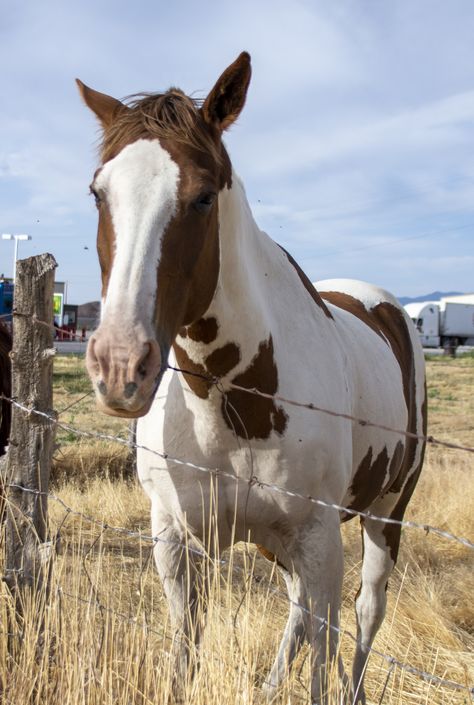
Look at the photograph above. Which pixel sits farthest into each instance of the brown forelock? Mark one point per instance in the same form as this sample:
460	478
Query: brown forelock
171	116
5	385
251	416
308	285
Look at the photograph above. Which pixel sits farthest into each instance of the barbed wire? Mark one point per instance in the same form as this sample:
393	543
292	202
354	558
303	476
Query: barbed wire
94	600
217	381
253	480
313	407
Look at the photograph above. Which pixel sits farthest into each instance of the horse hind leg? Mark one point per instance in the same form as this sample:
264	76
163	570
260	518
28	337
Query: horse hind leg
371	599
381	542
293	637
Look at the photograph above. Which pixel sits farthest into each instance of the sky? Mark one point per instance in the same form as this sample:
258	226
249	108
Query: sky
356	145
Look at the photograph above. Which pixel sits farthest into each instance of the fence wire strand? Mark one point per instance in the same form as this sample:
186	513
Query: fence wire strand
253	481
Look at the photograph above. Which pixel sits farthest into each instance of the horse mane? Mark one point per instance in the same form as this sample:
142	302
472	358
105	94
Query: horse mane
172	115
5	385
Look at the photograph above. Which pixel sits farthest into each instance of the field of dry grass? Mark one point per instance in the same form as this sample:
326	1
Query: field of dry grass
107	639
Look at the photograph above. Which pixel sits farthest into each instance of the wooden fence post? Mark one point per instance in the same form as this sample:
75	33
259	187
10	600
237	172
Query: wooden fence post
31	436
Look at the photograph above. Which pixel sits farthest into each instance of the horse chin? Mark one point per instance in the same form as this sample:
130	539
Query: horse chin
122	412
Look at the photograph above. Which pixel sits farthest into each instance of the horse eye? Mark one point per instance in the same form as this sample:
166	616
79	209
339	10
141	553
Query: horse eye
96	195
204	202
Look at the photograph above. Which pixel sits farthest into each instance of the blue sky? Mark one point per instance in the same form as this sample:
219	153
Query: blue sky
356	145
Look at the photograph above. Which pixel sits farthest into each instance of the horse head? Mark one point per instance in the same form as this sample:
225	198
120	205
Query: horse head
163	165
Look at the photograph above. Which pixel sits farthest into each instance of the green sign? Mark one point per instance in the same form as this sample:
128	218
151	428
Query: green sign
58	309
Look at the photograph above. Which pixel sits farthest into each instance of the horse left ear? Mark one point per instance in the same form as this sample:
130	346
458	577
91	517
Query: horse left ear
104	106
226	100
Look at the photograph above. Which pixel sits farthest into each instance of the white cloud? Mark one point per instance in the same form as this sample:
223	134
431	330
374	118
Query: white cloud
358	126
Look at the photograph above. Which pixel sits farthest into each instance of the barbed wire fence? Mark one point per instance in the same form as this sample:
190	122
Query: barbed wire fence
46	547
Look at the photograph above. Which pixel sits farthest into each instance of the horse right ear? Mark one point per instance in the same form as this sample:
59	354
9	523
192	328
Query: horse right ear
226	100
104	106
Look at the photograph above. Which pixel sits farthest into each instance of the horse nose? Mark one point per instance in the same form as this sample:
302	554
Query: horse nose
124	376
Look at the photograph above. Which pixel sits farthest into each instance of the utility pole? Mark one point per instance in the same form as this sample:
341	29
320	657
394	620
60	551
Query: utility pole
16	238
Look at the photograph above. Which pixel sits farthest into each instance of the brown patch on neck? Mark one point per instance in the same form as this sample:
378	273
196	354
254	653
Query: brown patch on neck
221	361
196	378
202	331
312	291
217	364
251	416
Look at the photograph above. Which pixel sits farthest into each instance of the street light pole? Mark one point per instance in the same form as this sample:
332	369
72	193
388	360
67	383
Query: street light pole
16	238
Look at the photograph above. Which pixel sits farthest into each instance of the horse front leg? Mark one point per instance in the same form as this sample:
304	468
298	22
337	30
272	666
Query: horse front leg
293	637
320	566
179	567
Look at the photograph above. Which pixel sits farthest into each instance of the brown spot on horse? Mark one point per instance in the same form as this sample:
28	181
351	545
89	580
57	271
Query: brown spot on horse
250	415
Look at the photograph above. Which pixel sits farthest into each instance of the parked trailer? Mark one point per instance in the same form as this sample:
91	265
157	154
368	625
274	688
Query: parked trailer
449	321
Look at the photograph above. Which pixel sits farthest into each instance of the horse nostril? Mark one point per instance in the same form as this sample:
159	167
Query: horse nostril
102	387
141	370
130	389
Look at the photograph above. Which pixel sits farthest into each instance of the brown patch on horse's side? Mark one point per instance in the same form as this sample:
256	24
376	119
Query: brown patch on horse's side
221	361
368	480
392	531
394	327
249	415
352	305
203	331
388	322
312	291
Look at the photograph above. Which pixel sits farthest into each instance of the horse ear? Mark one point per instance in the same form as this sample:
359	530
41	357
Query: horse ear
104	106
226	100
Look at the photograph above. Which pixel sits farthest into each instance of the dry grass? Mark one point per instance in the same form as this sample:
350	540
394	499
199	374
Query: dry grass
107	638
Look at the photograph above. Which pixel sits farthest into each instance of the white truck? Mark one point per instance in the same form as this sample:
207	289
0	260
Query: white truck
449	321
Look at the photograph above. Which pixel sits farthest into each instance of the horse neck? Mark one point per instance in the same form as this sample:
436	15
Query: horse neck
239	303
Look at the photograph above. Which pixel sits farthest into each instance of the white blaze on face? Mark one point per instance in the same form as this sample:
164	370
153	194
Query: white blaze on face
140	186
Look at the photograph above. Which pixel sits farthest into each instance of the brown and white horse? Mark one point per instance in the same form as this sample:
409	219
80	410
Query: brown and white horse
187	273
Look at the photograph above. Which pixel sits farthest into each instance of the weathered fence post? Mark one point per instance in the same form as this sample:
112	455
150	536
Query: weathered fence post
32	436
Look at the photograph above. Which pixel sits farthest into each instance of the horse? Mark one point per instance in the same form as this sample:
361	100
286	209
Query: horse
190	282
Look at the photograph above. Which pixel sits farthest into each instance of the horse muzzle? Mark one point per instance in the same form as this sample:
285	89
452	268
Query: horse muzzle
125	374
